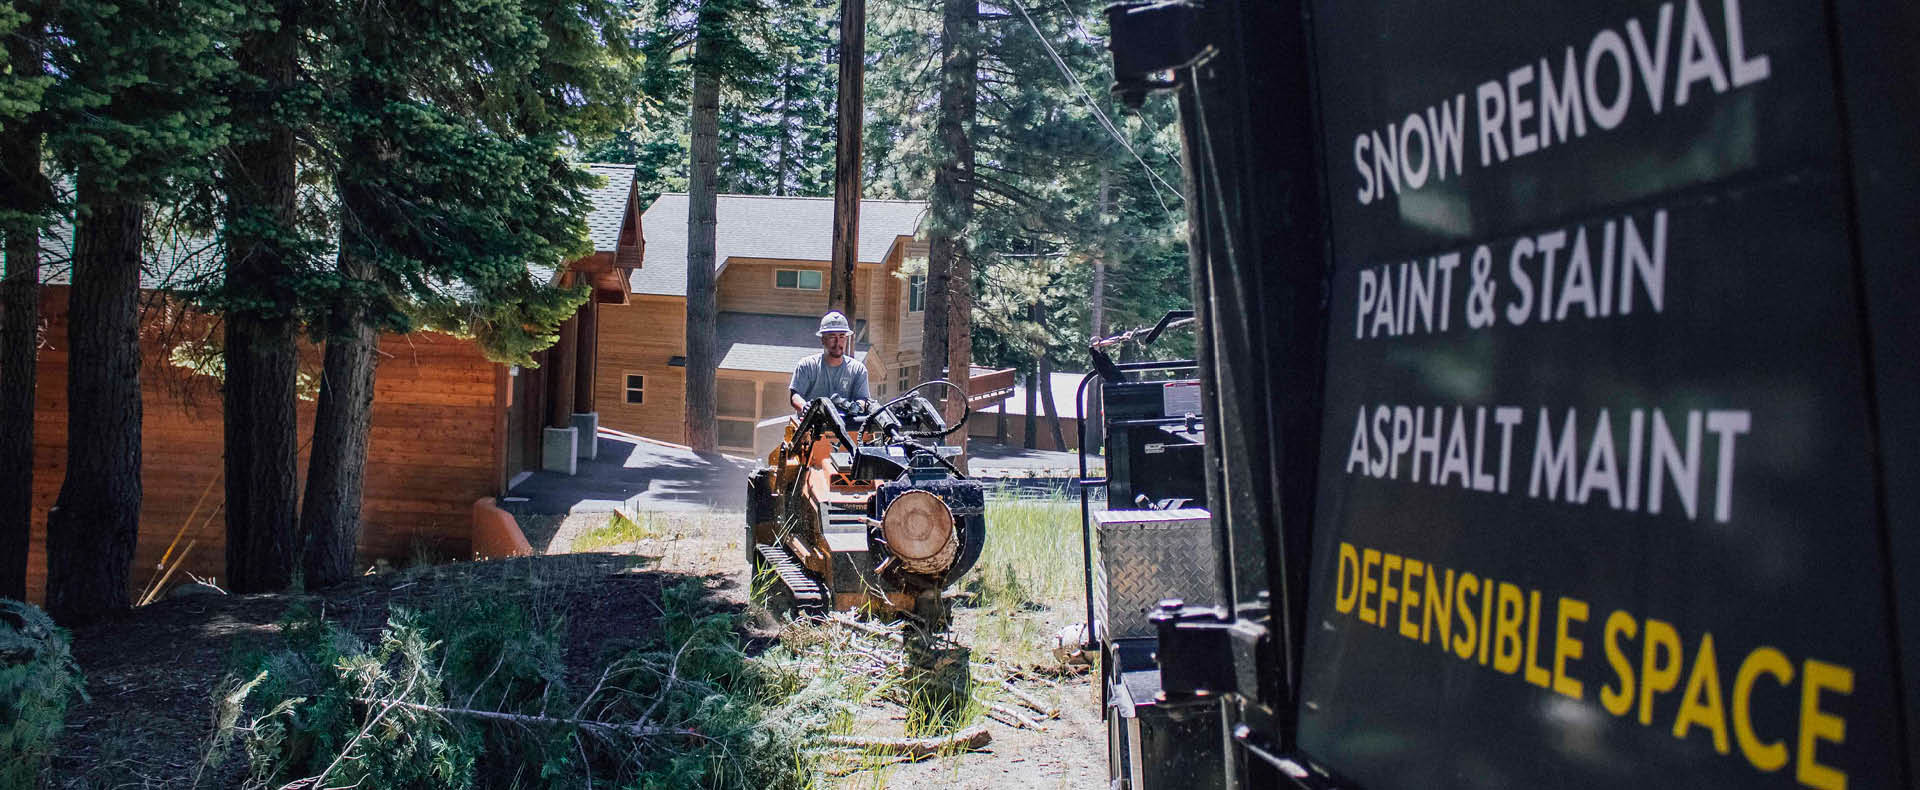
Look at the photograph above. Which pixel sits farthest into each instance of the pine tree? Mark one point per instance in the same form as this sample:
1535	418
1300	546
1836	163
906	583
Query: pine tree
443	201
25	198
775	126
1040	227
260	295
136	115
728	45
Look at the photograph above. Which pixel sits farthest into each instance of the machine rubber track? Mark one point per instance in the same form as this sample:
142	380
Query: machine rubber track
808	594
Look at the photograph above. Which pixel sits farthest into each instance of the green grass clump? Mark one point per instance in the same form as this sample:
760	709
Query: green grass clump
1029	575
1032	555
37	679
619	530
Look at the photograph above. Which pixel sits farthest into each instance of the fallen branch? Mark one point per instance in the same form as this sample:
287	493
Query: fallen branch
1048	711
873	630
1021	718
917	748
629	730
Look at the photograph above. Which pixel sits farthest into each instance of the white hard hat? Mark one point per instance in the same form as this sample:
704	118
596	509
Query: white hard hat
833	321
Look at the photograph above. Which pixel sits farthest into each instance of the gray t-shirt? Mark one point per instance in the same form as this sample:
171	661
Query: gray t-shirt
816	379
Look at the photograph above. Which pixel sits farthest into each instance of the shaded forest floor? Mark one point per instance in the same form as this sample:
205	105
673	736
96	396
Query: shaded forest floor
153	674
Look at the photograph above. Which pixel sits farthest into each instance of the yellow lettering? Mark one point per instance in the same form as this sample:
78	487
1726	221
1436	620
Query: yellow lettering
1535	674
1506	643
1486	619
1410	597
1765	756
1439	608
1368	559
1817	725
1346	584
1658	675
1389	592
1567	647
1701	704
1618	700
1463	647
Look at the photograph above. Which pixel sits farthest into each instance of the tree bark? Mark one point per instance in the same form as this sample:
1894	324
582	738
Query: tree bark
1046	400
1095	416
949	305
1032	428
24	193
783	161
329	533
95	523
846	155
262	359
336	469
702	201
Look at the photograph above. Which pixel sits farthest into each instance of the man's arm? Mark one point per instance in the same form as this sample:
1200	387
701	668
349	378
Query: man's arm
859	383
802	381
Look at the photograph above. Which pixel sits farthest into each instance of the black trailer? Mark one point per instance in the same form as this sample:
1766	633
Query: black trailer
1560	375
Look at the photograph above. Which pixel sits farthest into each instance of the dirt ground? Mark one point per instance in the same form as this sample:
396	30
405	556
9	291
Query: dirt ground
152	674
1070	753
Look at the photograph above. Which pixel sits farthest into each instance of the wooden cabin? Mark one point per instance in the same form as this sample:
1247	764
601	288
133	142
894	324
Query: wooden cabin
440	436
772	256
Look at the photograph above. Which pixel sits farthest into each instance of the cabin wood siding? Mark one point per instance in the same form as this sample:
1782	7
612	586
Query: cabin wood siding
641	337
434	445
747	287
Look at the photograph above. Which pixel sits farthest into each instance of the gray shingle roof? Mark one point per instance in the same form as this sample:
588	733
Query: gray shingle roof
609	204
756	226
772	343
172	261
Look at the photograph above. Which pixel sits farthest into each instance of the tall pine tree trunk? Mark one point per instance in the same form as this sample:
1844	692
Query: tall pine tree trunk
1046	401
336	468
702	201
783	161
95	523
23	194
261	357
1032	428
336	472
1095	418
944	341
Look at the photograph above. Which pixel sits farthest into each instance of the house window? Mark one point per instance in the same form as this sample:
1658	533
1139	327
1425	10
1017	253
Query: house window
797	279
636	389
916	293
908	377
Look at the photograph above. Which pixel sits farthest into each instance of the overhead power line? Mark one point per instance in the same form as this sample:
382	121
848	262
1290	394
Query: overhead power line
1106	123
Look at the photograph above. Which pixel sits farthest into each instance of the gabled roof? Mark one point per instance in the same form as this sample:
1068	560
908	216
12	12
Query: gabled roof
772	343
757	226
610	202
176	259
173	260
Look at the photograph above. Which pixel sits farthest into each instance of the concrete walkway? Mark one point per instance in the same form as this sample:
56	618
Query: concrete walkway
639	474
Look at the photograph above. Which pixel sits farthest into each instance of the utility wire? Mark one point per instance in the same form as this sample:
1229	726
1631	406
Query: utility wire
1106	123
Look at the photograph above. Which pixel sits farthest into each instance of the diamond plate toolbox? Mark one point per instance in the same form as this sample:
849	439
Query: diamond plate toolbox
1145	556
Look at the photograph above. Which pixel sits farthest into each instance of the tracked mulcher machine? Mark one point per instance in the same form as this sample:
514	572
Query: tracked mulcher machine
860	508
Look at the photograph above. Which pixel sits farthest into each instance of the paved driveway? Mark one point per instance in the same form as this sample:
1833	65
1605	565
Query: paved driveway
642	474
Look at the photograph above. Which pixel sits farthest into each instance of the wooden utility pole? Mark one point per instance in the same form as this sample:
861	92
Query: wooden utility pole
846	155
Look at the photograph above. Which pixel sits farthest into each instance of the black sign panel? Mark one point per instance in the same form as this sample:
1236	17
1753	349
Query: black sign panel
1596	503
